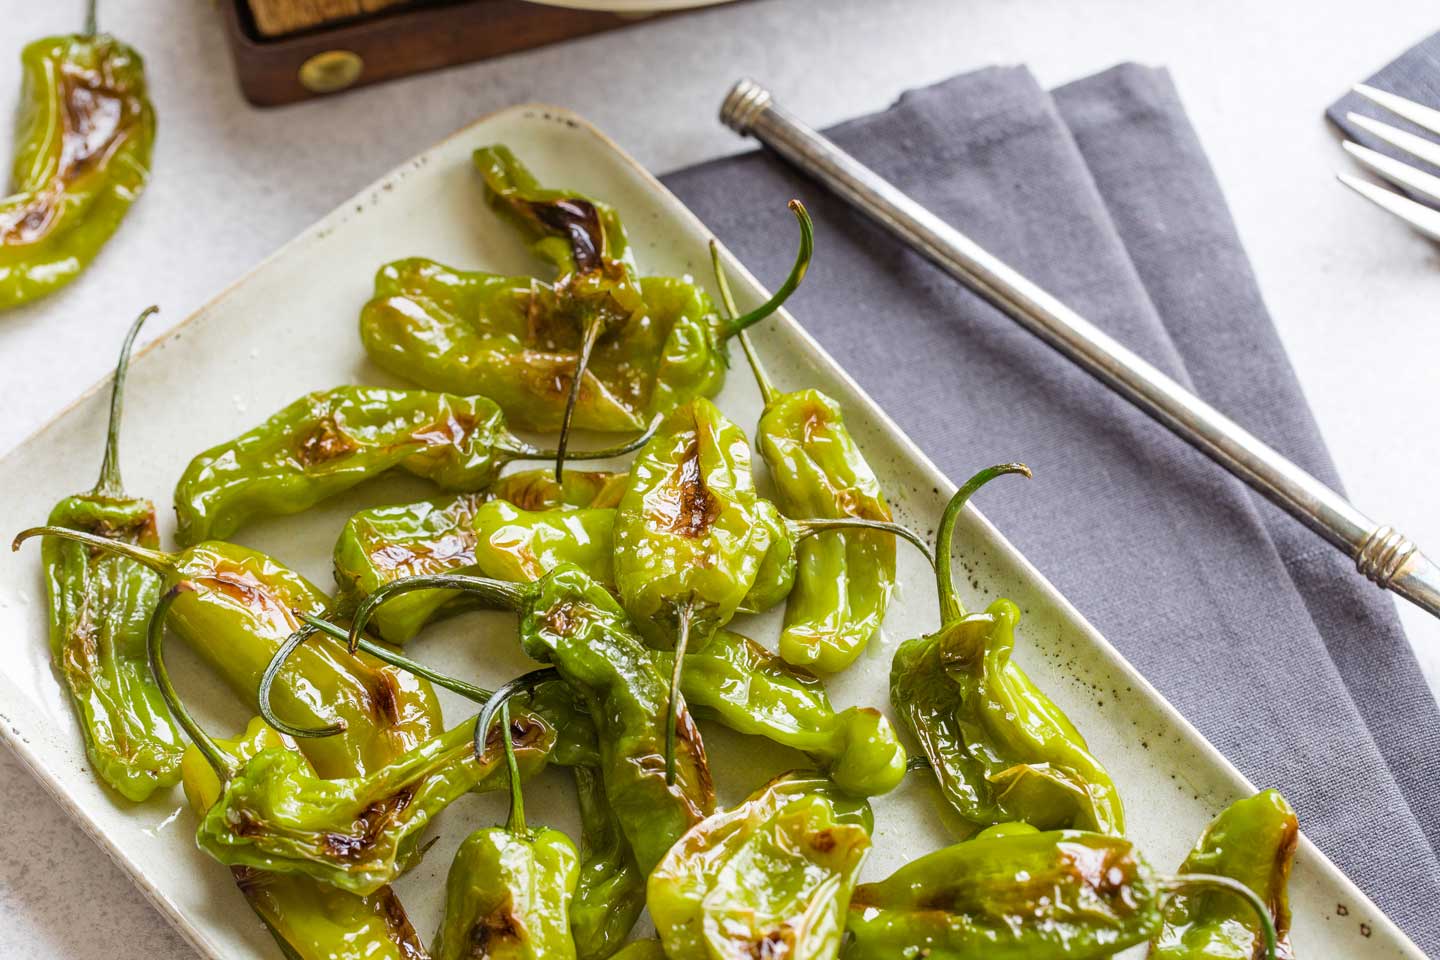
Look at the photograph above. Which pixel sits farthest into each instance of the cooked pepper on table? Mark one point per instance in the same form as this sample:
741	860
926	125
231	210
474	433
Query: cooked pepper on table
520	340
610	894
1253	842
99	606
329	441
1000	748
242	609
771	877
310	920
82	156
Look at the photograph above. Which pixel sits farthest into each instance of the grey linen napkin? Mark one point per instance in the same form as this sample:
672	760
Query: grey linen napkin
1258	632
1415	75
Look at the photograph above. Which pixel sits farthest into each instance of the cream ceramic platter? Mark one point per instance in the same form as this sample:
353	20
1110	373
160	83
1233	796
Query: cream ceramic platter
290	326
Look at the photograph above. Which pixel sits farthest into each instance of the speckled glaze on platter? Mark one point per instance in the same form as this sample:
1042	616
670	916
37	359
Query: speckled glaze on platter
290	326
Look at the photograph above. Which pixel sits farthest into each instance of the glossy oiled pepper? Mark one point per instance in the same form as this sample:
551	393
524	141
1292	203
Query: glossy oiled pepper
572	622
384	544
1001	749
770	878
844	577
641	950
241	609
310	920
747	688
509	890
99	606
329	441
1252	841
610	895
520	340
83	142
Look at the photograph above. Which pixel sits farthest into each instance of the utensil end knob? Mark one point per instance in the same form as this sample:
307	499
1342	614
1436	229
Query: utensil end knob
743	104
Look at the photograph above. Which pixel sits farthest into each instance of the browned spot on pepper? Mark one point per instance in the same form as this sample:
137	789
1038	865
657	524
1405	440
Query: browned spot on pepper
136	529
385	698
683	505
823	841
243	587
579	222
778	944
446	552
500	927
397	925
453	430
367	827
325	441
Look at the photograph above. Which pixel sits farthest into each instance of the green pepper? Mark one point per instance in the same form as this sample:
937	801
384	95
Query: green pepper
1253	842
1001	749
509	889
640	950
83	142
610	895
329	441
581	346
382	544
749	689
769	878
241	611
99	605
310	920
572	622
845	577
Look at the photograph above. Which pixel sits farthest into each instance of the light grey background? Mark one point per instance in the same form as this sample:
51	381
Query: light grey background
1353	293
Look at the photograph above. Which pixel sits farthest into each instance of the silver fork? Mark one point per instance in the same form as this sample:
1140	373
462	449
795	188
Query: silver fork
1425	219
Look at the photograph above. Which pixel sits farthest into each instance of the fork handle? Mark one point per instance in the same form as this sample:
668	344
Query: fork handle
1380	552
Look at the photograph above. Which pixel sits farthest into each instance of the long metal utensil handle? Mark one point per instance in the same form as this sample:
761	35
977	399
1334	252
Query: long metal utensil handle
1381	553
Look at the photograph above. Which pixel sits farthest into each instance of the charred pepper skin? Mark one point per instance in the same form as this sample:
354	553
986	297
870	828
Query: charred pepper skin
1252	841
1017	896
310	920
99	607
84	138
771	877
384	544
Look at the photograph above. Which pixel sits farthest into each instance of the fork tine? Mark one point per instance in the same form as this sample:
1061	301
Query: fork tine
1418	114
1416	146
1400	174
1419	216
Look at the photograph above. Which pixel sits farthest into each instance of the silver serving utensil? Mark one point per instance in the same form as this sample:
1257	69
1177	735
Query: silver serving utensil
1381	553
1423	218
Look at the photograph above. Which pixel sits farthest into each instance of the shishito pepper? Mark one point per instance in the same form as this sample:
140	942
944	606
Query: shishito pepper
243	608
770	878
99	605
1014	893
610	894
383	544
1000	748
329	441
844	577
310	920
1253	842
83	142
572	622
509	890
521	341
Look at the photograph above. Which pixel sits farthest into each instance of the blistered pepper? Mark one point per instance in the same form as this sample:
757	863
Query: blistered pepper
520	340
383	544
509	890
83	143
770	878
99	606
329	441
844	578
243	607
1000	748
310	920
641	950
610	894
1253	842
572	622
747	688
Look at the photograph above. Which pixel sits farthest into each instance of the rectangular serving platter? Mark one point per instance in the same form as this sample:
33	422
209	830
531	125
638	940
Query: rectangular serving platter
291	326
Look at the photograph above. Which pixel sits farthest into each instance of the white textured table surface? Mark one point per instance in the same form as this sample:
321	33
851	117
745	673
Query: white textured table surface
1352	291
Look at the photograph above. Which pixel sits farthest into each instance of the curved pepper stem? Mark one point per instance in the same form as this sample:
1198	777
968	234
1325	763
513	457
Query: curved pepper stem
91	25
495	594
156	560
797	273
1262	912
950	607
810	528
677	673
587	346
267	683
768	393
513	448
521	684
109	483
224	765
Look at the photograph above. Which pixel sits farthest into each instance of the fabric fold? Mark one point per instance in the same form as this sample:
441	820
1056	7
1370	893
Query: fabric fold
1102	195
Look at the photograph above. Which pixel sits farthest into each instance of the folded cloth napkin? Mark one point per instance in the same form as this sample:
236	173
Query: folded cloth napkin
1415	75
1262	635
